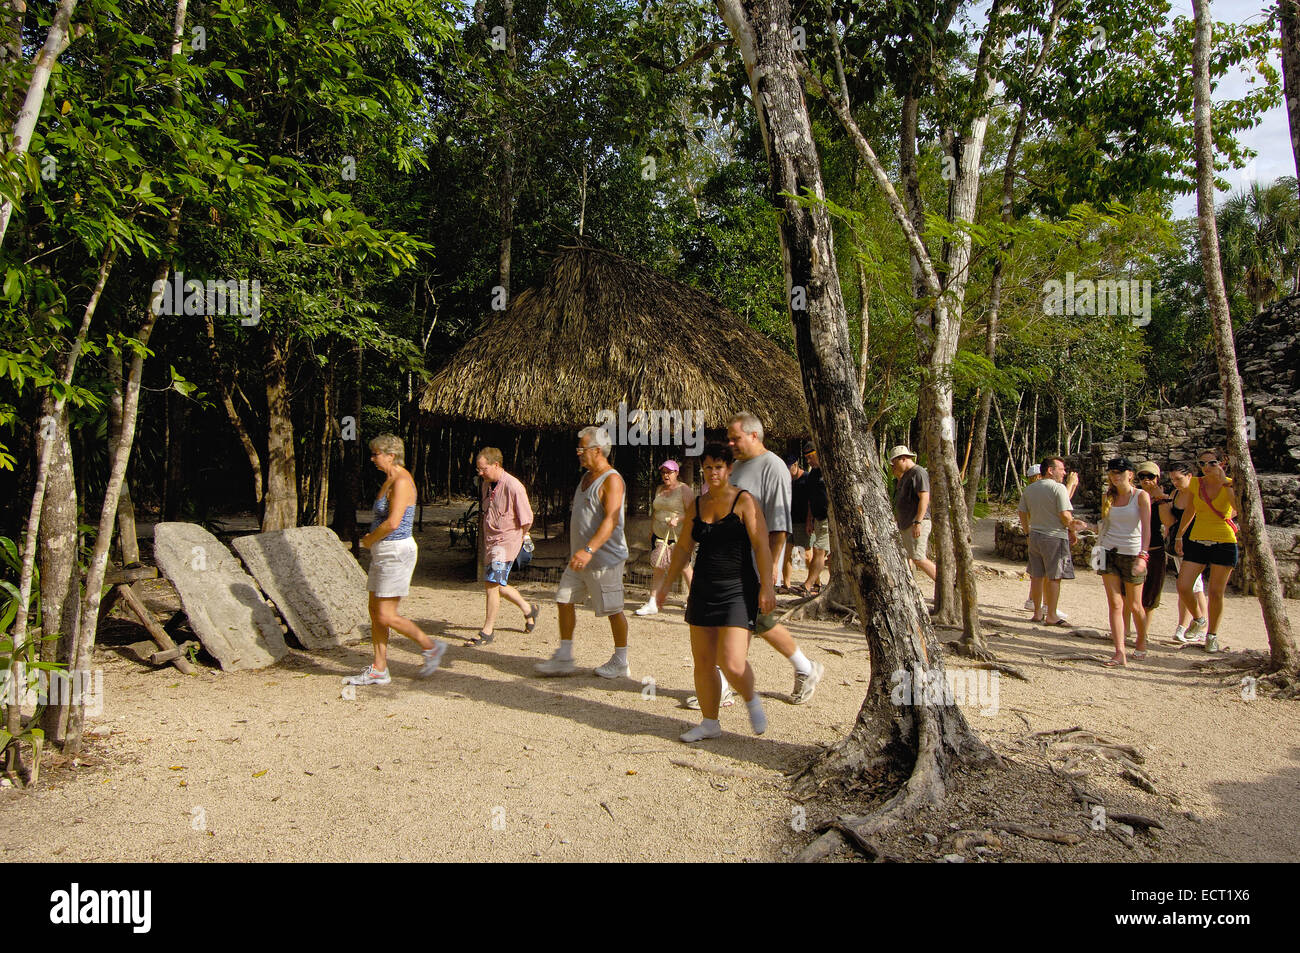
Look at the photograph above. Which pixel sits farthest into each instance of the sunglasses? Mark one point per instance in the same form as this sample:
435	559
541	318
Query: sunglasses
1147	476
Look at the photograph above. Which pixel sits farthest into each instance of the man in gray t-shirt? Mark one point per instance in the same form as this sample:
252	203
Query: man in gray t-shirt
1047	516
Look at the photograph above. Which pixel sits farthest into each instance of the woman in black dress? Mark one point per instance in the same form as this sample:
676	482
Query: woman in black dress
726	594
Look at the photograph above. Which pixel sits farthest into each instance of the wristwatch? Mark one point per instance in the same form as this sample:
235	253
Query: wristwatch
587	550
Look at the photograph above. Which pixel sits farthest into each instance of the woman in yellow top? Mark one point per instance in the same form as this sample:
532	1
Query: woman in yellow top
1212	540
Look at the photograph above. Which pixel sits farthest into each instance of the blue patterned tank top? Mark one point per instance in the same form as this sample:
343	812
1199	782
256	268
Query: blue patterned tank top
403	530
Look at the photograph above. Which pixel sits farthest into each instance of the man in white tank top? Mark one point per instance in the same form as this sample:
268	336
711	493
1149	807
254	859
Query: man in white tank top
599	551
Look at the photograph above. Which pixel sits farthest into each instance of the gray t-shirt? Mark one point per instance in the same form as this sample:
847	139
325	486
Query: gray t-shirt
907	495
588	514
767	478
1044	501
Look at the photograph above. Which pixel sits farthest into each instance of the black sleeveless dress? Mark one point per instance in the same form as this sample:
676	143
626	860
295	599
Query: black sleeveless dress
724	590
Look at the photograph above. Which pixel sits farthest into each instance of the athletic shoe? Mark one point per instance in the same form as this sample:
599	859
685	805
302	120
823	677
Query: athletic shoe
700	732
728	697
1196	632
1180	633
614	669
1029	604
369	677
650	608
805	686
432	658
555	666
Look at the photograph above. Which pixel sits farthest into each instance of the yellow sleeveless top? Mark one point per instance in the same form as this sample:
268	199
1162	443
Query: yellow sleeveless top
1210	528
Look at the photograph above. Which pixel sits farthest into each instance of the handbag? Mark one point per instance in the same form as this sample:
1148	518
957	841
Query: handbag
662	555
1097	559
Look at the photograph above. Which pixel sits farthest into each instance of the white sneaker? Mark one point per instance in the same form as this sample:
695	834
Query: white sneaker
700	732
1196	632
1029	604
432	659
728	697
369	677
806	685
650	608
1180	633
614	669
555	666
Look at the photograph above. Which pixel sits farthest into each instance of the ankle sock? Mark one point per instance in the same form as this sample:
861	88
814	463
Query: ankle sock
620	655
757	717
800	662
565	651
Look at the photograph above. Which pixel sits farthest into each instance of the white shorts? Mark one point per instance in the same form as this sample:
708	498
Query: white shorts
392	563
600	589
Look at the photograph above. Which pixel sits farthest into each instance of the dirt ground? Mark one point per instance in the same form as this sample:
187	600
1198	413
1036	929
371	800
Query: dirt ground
483	761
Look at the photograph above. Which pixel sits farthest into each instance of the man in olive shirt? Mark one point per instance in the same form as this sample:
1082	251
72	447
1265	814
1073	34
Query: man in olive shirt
1047	516
912	508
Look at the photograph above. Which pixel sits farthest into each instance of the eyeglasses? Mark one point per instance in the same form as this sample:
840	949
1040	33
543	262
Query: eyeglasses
1146	476
582	450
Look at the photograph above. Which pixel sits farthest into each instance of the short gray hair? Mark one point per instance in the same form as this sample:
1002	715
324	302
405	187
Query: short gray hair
389	443
599	437
748	423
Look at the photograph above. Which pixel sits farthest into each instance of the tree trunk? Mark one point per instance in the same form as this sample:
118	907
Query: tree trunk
49	429
926	741
223	378
328	434
281	477
56	41
995	283
11	52
174	488
71	718
128	538
60	579
1259	551
349	481
1289	14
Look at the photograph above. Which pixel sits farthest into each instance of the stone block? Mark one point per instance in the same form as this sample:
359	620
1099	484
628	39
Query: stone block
314	581
226	610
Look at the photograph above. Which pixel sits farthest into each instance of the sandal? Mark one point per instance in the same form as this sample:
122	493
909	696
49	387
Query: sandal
1138	654
799	590
1114	663
483	638
530	618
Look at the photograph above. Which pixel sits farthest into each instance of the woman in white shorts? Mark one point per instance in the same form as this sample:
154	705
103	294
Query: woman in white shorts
392	562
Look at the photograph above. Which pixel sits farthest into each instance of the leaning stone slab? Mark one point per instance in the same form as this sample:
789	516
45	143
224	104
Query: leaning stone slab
314	581
225	608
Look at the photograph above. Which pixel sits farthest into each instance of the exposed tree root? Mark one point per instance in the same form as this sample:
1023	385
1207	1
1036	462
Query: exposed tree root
817	607
986	658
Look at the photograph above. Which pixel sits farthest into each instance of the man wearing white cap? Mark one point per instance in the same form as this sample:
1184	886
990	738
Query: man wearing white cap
912	507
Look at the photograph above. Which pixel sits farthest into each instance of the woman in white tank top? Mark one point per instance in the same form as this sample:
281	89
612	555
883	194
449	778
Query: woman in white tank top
1123	534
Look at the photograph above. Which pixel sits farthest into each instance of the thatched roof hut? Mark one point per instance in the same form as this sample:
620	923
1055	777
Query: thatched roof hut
601	330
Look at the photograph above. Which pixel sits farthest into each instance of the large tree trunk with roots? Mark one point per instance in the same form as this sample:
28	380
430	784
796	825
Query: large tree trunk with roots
916	744
281	478
1258	550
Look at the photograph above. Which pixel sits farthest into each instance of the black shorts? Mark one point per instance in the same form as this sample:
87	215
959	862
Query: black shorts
1210	554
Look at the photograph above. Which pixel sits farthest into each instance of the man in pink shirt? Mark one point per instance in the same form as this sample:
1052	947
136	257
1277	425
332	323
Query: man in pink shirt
506	519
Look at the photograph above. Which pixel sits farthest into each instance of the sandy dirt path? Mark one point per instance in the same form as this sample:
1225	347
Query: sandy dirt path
486	762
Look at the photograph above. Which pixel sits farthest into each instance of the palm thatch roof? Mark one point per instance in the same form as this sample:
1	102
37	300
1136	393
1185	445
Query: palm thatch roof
602	329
